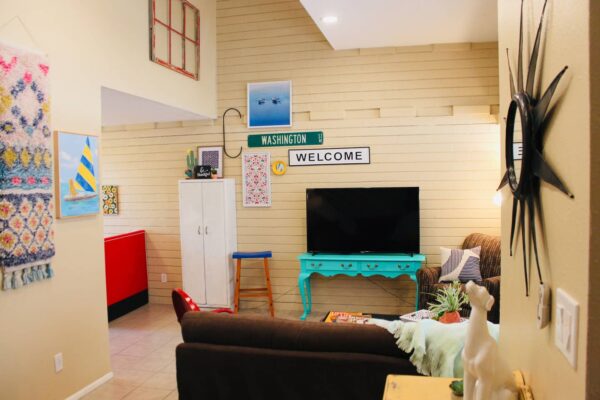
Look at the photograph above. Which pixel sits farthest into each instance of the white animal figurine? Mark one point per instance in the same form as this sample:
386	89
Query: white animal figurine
486	375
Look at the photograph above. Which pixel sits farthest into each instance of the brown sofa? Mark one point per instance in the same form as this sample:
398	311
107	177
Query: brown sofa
428	277
249	357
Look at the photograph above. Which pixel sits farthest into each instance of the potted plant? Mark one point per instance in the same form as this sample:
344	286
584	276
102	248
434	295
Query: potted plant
213	173
448	302
191	162
457	389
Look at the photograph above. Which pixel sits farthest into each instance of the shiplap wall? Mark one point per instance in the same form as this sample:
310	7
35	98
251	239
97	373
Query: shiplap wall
427	112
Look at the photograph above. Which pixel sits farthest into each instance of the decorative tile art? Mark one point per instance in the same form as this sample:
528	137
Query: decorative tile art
110	199
256	179
26	199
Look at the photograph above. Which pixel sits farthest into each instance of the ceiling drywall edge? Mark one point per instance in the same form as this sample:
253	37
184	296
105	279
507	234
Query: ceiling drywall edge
120	108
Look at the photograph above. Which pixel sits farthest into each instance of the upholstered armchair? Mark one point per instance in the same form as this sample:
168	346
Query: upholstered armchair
428	277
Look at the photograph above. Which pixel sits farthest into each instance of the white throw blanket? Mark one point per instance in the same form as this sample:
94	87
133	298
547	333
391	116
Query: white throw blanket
436	348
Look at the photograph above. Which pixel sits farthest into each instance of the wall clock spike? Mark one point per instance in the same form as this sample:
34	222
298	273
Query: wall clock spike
524	184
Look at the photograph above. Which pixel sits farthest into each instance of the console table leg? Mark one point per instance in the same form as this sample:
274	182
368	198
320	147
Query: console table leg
414	278
308	295
306	301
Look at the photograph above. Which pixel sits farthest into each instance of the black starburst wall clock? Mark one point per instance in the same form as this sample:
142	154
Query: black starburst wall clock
533	114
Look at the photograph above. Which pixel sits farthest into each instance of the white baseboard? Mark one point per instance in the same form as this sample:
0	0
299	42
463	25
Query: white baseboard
91	386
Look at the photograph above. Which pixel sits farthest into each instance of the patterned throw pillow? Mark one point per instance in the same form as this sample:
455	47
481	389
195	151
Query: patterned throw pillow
460	265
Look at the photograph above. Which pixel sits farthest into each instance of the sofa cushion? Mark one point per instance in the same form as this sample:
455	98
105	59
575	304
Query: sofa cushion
460	265
281	334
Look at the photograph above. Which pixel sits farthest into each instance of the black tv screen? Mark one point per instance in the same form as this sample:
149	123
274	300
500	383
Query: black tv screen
353	220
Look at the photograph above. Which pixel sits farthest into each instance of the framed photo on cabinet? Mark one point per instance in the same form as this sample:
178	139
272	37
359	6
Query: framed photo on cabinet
212	156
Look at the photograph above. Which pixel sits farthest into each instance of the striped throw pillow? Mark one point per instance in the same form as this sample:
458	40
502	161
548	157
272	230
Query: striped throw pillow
460	265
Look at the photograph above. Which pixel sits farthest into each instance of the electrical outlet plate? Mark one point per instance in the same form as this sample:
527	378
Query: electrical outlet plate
543	307
566	323
163	277
58	362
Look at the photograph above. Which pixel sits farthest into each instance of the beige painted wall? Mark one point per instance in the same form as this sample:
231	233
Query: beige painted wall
593	351
426	112
89	44
565	250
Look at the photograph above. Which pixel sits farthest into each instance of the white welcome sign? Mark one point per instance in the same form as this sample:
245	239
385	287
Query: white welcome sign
348	155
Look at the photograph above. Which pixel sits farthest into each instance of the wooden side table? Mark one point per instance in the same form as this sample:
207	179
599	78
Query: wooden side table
408	387
404	387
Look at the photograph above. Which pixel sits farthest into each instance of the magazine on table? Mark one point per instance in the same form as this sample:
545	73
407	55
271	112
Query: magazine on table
347	317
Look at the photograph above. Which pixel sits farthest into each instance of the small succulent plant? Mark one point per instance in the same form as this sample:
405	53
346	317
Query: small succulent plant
457	388
448	299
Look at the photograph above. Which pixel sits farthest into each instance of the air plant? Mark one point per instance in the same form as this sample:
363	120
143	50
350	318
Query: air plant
533	113
448	299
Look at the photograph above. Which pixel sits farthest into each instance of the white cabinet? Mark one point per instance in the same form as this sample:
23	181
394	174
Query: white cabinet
207	222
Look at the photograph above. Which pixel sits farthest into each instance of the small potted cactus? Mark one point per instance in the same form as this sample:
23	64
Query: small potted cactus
448	302
213	173
191	162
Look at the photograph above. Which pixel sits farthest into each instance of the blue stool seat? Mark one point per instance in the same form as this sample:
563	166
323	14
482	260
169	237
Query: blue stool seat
254	254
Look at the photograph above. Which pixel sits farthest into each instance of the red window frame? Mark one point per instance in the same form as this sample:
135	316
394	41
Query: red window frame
168	25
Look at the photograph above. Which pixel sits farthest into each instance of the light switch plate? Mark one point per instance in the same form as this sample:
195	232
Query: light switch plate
163	278
566	323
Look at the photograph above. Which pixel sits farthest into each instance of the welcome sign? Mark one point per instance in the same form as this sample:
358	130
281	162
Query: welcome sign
286	139
348	155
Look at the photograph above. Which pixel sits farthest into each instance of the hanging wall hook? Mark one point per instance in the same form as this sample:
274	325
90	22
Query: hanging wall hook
224	147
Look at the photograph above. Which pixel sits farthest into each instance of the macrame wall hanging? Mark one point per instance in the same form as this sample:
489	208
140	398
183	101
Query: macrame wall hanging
533	114
26	196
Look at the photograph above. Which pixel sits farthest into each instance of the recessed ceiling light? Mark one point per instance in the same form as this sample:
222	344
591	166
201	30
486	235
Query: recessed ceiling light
330	19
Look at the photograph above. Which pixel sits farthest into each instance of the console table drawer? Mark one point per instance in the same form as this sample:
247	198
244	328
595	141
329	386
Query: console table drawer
391	266
331	265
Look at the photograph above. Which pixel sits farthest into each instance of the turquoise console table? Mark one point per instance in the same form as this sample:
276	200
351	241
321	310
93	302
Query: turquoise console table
328	264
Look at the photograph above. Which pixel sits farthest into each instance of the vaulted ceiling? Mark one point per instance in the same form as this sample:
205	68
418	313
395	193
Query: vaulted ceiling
381	23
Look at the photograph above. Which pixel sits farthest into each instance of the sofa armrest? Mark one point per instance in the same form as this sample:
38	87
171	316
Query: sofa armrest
427	278
429	275
281	334
493	287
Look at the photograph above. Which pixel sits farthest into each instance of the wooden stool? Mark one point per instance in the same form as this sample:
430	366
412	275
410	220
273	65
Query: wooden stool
254	292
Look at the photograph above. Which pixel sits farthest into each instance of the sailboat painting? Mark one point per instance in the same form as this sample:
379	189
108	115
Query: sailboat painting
76	183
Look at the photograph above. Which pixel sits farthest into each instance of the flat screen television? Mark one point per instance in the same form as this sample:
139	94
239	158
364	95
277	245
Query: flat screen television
355	220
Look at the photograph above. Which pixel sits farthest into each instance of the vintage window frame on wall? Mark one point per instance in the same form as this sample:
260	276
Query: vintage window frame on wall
175	27
218	149
63	156
254	89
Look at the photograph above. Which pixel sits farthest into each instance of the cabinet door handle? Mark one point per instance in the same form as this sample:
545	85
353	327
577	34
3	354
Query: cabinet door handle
320	265
371	267
206	229
199	230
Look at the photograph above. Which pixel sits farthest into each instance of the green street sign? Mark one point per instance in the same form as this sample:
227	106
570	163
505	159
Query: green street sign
286	139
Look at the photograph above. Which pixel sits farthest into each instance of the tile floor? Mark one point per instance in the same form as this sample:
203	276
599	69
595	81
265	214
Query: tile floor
142	348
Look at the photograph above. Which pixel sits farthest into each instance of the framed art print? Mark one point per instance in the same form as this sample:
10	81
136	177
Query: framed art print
270	104
212	156
76	166
256	179
110	200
